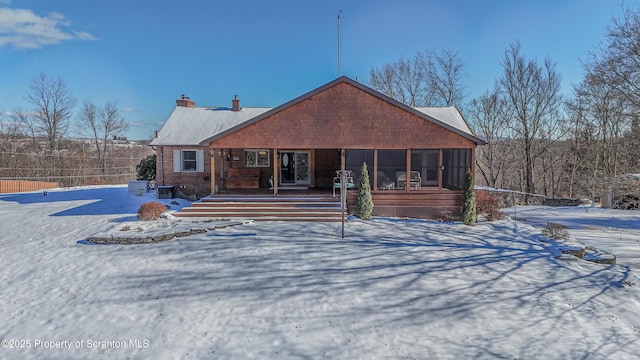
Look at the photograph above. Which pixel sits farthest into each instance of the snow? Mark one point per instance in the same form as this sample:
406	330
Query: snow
392	288
448	115
204	122
614	231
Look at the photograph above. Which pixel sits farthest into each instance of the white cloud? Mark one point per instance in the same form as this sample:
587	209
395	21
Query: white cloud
24	29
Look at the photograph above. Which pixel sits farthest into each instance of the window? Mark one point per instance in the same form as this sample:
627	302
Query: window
353	161
392	164
256	158
188	160
426	163
455	162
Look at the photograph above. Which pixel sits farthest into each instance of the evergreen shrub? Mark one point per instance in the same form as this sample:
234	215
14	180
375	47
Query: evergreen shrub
146	169
364	202
469	200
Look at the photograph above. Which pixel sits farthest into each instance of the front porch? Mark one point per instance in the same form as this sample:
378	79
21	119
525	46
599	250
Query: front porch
272	169
432	188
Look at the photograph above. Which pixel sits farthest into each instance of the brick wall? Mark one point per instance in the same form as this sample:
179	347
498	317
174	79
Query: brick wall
190	183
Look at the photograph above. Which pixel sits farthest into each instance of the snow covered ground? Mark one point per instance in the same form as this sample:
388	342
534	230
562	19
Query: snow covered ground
390	289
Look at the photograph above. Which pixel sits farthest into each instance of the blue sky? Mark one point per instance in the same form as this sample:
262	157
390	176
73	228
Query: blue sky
145	54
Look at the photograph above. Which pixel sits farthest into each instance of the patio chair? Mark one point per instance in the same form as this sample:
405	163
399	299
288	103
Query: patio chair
337	180
384	182
415	180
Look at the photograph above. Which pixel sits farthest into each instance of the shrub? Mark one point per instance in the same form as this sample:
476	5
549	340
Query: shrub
488	204
556	231
146	169
151	211
469	200
364	202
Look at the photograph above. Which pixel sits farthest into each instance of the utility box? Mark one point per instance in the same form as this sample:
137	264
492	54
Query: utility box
138	186
165	192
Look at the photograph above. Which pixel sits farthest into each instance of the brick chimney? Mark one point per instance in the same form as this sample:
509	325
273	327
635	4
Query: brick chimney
235	104
185	101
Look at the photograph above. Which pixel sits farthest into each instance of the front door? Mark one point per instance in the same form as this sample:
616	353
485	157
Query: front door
294	168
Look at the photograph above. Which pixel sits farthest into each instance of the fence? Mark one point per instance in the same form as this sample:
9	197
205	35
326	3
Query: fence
11	186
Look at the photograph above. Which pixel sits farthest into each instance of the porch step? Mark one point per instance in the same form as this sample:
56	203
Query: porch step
259	209
275	204
266	208
268	199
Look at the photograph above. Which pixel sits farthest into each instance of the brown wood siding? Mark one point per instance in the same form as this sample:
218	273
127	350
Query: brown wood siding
430	204
343	116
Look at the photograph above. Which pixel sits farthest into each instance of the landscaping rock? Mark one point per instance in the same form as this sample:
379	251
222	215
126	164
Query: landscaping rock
143	240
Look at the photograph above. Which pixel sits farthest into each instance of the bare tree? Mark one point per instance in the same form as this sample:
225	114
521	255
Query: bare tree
402	80
605	123
428	79
10	144
27	124
580	152
9	128
533	95
618	59
52	106
102	124
445	73
490	119
613	70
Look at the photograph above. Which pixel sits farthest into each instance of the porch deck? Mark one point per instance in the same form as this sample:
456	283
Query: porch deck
262	205
283	191
318	204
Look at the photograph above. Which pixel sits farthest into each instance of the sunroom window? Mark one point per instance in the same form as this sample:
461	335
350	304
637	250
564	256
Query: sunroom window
392	166
455	162
425	162
354	158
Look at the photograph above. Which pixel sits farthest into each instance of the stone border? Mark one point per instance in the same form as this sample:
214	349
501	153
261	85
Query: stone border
588	253
123	240
117	240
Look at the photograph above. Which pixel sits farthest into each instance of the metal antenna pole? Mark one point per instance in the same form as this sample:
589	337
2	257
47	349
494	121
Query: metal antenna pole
343	188
339	12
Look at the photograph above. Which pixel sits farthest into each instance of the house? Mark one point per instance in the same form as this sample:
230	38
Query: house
182	159
304	142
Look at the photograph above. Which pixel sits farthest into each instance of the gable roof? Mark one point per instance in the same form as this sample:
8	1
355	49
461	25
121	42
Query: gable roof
447	117
192	125
198	126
